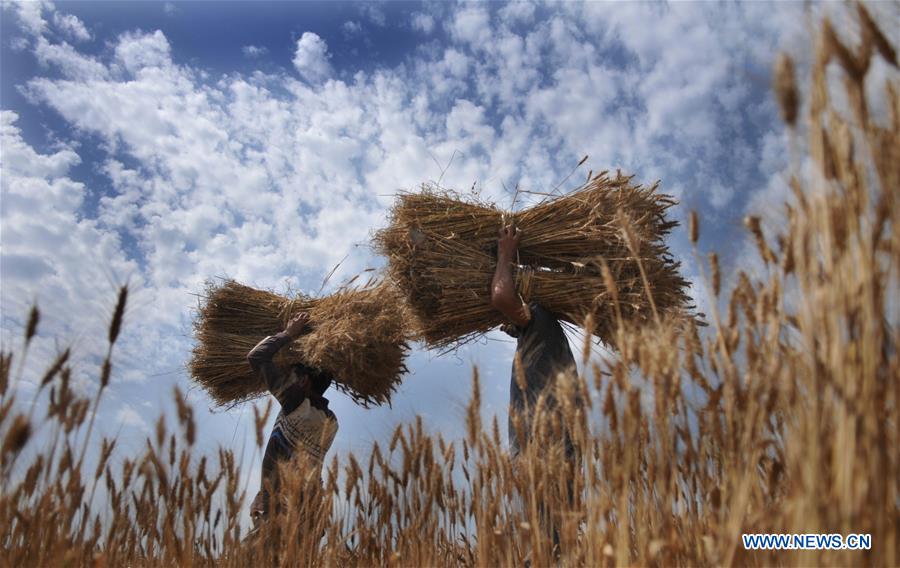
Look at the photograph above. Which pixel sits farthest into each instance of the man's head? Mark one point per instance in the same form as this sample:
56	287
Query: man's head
312	380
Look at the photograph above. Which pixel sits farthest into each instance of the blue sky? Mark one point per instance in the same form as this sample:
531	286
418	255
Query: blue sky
161	144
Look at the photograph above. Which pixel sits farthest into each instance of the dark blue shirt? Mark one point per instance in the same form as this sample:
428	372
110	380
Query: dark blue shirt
544	352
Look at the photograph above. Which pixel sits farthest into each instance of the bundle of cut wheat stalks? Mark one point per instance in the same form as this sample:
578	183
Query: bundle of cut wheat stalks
358	335
596	250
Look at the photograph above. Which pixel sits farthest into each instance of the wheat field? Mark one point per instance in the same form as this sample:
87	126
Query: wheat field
780	417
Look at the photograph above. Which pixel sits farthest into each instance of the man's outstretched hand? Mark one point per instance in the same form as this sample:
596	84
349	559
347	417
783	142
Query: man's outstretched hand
508	242
297	324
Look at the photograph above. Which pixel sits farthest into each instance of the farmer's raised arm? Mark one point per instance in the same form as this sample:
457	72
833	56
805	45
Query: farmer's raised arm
503	288
260	357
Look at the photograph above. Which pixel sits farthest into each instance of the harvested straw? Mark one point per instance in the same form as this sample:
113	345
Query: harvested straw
441	251
357	335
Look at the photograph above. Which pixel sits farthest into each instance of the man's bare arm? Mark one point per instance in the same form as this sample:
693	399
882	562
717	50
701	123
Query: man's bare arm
503	288
260	357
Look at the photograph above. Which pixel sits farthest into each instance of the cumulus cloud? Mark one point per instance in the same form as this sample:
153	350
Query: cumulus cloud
70	62
135	51
471	25
71	26
128	416
517	13
18	44
30	15
422	22
52	255
351	28
311	58
254	51
374	13
31	18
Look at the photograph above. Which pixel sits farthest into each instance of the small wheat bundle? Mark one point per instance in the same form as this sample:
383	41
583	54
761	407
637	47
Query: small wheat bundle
597	250
357	335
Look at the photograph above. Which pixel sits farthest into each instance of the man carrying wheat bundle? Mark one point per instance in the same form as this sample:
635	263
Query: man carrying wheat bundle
542	355
305	426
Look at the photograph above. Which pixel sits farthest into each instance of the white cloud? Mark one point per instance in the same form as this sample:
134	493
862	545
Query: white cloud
254	51
30	15
457	64
517	13
170	9
374	13
69	61
128	416
71	26
351	28
18	44
20	160
70	265
135	51
471	25
422	22
311	58
466	125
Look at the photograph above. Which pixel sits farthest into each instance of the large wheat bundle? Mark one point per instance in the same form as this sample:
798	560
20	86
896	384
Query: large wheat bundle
357	335
441	251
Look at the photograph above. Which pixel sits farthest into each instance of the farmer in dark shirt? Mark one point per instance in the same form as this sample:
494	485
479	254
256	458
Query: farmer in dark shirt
542	350
542	354
305	426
